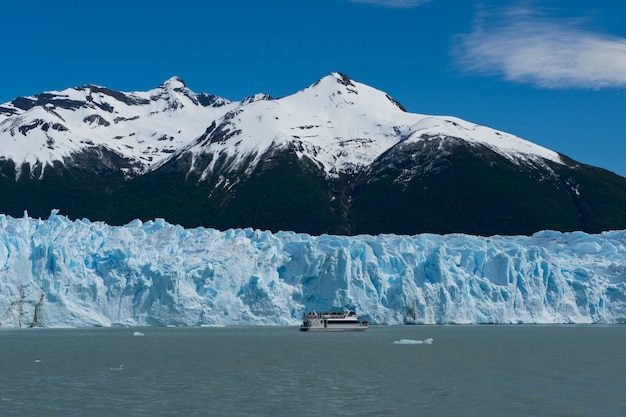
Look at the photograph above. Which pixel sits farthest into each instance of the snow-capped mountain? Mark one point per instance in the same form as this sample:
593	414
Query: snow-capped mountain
343	126
339	123
142	128
336	157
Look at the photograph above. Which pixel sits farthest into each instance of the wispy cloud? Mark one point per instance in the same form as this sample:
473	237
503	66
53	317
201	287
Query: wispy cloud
526	46
395	4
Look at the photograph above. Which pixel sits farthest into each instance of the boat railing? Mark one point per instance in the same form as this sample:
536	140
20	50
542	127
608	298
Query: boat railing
328	315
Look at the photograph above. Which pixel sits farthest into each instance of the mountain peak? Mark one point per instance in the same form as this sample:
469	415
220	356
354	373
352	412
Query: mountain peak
335	78
342	79
174	83
337	84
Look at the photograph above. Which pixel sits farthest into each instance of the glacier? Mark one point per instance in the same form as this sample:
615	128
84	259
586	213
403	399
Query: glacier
58	272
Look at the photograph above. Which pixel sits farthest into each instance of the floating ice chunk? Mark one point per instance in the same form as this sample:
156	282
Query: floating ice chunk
428	341
138	334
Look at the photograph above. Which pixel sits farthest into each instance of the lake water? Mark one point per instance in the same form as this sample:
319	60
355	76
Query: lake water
280	371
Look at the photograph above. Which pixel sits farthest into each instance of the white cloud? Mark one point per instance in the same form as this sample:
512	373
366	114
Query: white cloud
397	4
547	52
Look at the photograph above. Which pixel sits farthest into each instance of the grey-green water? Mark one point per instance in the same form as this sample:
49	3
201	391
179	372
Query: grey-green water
279	371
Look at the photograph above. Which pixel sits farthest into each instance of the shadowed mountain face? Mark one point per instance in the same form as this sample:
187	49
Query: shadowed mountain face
338	157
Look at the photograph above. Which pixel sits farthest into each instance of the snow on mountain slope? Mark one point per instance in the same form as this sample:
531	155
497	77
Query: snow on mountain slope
341	124
59	273
142	126
337	122
510	146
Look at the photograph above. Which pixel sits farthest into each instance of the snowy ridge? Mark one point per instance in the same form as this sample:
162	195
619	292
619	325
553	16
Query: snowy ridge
506	144
337	122
344	126
59	273
145	127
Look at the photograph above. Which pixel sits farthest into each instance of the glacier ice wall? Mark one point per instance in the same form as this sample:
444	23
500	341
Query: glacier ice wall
62	273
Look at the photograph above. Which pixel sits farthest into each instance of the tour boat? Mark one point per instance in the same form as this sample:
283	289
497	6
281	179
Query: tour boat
332	322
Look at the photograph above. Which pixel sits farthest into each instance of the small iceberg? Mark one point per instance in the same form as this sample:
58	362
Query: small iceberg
138	334
428	341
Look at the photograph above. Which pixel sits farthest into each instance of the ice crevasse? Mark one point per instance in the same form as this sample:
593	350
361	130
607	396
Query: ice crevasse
62	273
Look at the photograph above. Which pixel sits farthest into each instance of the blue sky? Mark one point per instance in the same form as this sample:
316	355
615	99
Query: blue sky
551	71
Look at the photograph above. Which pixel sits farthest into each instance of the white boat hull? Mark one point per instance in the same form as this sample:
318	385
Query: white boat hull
334	329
